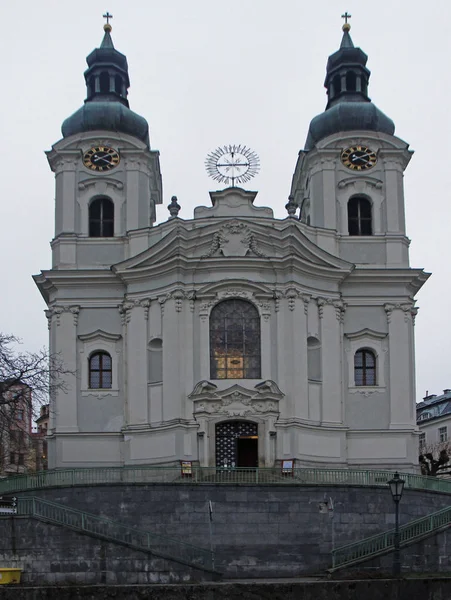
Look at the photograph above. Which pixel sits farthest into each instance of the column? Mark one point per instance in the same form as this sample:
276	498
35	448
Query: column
64	347
137	312
330	312
400	338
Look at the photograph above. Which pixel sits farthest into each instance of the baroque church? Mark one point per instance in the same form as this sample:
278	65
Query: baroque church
232	339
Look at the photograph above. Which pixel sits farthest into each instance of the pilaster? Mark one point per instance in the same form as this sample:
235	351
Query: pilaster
136	314
330	313
171	307
401	377
63	322
298	382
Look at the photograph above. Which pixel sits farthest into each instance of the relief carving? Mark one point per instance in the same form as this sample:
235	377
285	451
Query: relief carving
236	400
234	239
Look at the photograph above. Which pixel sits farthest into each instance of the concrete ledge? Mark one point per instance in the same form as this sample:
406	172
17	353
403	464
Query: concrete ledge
381	589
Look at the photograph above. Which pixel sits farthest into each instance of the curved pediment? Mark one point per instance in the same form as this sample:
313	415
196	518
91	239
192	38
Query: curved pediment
213	244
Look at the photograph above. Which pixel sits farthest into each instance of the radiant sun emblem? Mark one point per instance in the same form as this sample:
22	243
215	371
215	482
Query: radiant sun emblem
232	164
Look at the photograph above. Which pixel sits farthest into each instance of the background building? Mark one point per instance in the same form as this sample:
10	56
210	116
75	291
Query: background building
16	449
434	420
233	338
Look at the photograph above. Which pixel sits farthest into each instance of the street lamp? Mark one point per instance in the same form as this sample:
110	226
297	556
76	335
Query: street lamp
396	488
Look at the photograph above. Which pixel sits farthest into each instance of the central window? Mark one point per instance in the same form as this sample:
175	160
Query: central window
235	341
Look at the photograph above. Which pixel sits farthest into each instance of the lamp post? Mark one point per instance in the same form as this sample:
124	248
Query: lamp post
396	488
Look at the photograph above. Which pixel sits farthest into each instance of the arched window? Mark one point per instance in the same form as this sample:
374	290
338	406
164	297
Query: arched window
100	371
351	81
359	216
365	367
101	218
235	341
104	81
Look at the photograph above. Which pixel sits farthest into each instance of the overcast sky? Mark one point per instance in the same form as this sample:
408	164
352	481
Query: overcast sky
206	73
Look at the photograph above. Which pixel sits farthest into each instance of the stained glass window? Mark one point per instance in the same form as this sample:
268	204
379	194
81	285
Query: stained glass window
365	367
100	371
235	341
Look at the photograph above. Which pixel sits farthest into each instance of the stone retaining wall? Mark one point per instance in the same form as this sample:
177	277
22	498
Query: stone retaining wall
257	531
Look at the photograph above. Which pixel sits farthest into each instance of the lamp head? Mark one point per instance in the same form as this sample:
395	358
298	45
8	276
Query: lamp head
396	487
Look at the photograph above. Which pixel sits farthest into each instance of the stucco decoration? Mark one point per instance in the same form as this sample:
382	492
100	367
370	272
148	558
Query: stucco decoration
236	401
234	239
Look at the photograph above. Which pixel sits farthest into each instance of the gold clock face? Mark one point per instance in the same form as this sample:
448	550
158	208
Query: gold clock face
101	158
359	158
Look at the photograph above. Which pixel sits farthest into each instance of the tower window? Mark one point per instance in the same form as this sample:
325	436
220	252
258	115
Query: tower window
101	218
118	85
235	341
104	82
100	371
359	216
351	81
365	367
336	82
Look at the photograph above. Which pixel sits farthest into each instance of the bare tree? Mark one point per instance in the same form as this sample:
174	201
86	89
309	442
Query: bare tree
434	459
27	381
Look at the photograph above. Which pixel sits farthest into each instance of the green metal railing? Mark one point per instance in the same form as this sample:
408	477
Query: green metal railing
213	475
90	524
383	543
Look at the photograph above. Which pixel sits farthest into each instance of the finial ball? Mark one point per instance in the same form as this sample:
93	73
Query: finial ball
346	27
107	27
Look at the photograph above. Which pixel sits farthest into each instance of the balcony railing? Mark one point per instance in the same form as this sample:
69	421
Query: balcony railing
213	475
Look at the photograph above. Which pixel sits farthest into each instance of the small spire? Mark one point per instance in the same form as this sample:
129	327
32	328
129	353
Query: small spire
107	42
346	42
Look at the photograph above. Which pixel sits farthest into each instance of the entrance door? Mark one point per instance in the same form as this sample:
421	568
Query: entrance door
247	451
237	444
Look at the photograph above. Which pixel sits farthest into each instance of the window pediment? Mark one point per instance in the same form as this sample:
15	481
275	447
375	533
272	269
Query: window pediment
366	333
99	334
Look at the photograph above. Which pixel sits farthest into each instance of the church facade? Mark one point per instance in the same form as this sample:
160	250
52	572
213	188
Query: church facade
232	339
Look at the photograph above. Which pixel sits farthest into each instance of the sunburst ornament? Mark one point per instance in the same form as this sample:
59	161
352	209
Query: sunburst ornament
232	164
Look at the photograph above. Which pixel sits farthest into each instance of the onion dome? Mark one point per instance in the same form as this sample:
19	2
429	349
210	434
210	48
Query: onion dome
106	106
349	107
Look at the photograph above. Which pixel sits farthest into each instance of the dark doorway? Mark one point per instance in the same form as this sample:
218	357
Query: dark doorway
247	451
237	444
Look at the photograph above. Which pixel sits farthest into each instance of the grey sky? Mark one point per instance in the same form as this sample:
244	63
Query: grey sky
207	73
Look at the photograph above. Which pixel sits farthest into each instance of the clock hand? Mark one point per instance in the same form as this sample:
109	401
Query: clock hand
361	156
99	158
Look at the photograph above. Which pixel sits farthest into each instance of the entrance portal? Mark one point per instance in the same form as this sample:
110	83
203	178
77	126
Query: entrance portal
237	444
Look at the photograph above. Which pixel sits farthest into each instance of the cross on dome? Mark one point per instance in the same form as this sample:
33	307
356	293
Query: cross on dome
346	25
107	27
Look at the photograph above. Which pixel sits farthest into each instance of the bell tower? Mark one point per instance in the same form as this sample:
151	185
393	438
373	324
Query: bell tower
107	176
349	177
